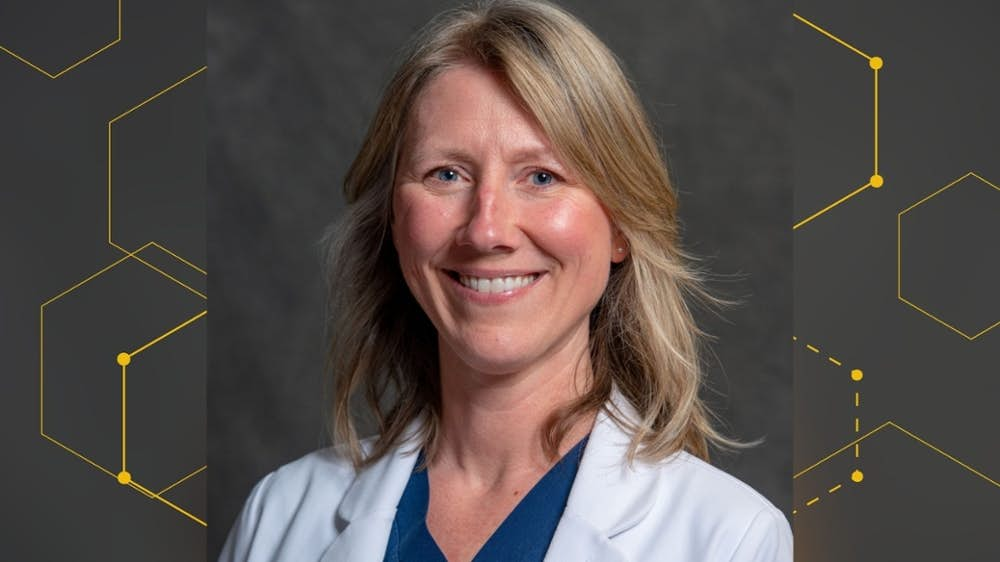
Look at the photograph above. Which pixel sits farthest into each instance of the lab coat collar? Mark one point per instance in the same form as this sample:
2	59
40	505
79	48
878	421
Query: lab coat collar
607	498
365	515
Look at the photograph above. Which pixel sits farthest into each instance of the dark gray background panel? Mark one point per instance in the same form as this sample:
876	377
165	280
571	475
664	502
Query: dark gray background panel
53	234
292	89
938	119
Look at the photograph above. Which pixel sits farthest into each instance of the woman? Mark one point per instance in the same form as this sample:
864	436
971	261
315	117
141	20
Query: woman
510	298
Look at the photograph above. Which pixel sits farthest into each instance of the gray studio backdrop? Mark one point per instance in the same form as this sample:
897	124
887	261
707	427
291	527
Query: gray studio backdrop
292	87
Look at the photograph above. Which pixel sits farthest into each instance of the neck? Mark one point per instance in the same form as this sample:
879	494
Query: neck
492	424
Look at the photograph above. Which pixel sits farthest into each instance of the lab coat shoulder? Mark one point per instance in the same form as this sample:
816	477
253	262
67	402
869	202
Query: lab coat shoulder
678	508
703	513
292	509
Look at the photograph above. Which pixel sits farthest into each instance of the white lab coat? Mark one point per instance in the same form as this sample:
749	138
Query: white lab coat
681	509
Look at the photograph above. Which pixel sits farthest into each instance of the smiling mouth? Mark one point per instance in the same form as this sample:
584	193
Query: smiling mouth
494	284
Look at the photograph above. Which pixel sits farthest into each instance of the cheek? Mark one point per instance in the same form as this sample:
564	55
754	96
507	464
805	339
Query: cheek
419	229
577	231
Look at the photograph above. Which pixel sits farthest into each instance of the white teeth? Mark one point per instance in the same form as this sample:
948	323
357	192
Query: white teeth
496	284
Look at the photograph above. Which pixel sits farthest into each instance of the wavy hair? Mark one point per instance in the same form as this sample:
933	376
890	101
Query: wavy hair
643	338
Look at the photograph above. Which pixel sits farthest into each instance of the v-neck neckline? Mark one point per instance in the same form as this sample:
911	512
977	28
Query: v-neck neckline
542	504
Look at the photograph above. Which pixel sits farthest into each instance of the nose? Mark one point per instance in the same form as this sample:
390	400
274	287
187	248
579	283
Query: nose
491	220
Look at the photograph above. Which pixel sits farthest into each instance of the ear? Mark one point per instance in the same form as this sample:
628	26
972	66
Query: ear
619	247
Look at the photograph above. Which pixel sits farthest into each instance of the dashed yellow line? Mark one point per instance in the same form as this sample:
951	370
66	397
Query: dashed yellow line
833	490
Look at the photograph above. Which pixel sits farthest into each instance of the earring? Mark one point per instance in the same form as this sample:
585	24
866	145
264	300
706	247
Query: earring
620	250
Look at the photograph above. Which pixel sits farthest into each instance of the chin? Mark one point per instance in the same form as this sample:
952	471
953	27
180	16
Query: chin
496	359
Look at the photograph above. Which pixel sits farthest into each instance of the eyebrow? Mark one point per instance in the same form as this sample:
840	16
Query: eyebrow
540	153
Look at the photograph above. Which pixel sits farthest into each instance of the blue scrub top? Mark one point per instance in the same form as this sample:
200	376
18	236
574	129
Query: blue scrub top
522	537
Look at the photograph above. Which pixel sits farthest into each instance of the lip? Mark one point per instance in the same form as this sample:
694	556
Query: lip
490	298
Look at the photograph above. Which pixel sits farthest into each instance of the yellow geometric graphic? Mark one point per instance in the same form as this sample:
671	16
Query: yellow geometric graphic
856	477
899	259
57	74
876	180
855	375
123	359
893	425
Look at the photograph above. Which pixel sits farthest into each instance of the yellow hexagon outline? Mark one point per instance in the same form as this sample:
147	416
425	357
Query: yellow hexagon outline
116	40
876	181
122	477
899	257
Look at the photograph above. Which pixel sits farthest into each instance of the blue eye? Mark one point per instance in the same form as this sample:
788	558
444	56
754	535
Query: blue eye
542	178
446	175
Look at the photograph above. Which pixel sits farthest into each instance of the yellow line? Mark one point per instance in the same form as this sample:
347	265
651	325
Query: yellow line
26	61
182	260
842	449
899	256
81	457
168	333
985	330
123	418
158	94
830	35
141	490
164	273
857	399
85	59
41	370
876	121
946	455
984	180
139	487
812	501
831	206
835	488
909	434
834	361
175	484
88	279
121	115
77	63
812	348
109	185
936	319
857	425
857	450
908	209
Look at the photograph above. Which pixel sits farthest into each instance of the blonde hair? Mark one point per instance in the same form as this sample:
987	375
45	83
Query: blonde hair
643	338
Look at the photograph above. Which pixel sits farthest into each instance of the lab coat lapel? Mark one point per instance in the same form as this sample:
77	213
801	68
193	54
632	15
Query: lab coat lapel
608	497
365	515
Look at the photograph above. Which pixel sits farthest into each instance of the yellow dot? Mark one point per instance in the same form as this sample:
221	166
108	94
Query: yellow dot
857	374
857	476
124	477
877	181
875	63
124	359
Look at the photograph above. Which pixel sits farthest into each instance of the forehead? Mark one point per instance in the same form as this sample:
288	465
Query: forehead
472	105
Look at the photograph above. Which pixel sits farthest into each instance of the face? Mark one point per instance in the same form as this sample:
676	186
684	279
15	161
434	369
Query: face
503	248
